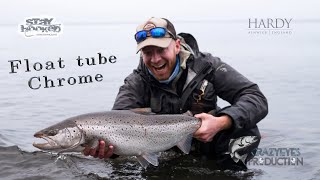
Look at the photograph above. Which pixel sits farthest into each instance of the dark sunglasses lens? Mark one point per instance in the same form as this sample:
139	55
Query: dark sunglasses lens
158	32
141	36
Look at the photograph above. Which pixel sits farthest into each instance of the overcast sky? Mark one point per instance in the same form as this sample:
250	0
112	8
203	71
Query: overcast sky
15	11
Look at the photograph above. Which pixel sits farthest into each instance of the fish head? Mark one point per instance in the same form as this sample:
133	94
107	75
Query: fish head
61	137
242	142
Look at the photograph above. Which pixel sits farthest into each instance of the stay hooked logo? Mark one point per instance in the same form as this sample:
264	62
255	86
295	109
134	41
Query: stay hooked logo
40	26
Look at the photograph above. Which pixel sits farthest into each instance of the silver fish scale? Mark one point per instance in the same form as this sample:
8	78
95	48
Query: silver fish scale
134	134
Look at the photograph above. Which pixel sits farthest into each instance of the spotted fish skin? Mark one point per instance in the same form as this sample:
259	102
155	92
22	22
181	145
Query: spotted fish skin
131	133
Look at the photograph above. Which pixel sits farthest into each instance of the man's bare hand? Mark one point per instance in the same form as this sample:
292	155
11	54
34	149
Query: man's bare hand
210	126
100	151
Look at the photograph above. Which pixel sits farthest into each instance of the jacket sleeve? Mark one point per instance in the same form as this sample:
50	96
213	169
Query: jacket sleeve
132	93
248	104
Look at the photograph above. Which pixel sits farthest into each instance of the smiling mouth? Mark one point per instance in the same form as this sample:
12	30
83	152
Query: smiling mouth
158	68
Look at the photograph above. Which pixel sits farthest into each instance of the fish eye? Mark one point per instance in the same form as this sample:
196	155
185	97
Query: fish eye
52	133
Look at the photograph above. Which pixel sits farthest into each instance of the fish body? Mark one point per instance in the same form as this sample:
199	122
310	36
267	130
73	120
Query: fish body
131	133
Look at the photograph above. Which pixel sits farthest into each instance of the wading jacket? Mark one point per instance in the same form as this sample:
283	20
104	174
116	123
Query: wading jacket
201	79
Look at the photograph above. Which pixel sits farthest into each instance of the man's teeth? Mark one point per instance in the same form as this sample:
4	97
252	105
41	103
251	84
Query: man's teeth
159	67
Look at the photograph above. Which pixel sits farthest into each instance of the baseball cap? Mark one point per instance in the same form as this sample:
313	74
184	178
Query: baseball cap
151	41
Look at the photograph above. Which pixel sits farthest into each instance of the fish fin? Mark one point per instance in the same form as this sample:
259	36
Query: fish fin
144	163
236	160
147	158
231	141
185	144
188	113
152	158
238	157
145	111
243	158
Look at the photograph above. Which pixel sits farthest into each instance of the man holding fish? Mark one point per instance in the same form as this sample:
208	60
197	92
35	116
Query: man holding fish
174	76
172	79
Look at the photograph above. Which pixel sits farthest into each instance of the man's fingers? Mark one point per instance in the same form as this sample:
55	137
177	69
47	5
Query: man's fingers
99	151
197	134
200	137
93	152
204	137
102	145
109	152
200	116
86	151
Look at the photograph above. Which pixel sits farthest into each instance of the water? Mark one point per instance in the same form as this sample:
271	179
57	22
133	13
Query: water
285	67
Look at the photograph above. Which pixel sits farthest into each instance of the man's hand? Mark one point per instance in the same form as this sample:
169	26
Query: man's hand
211	125
99	151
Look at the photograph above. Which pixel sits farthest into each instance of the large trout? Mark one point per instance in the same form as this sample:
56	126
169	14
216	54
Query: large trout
130	132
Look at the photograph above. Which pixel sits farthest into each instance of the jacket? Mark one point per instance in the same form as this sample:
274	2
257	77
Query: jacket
198	69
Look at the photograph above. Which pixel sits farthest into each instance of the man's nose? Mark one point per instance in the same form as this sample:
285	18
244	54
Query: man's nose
155	57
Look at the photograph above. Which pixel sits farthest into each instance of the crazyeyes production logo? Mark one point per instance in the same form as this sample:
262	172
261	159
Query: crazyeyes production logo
239	150
277	157
40	27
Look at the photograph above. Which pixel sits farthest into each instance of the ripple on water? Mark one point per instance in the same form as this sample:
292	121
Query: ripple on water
18	164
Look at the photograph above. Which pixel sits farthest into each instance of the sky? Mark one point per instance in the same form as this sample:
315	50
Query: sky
15	11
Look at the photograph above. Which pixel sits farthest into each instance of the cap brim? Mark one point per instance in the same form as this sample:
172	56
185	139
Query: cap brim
160	42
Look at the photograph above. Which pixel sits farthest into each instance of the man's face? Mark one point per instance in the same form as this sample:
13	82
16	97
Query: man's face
161	61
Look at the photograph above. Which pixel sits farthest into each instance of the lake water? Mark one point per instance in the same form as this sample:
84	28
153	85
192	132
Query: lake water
286	68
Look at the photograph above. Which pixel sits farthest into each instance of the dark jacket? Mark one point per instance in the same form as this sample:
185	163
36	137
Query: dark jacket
248	104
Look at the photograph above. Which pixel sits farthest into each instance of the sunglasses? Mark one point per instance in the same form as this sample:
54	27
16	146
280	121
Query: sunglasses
157	32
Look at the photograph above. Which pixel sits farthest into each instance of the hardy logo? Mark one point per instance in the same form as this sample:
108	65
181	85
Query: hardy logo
269	23
40	27
274	26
